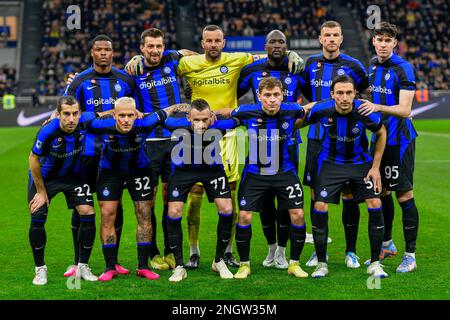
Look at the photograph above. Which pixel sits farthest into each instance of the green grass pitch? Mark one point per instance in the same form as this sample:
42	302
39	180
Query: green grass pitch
430	281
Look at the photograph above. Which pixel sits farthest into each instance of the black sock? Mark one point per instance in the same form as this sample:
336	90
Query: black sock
243	238
175	238
283	227
320	234
164	227
268	216
350	220
143	249
410	224
311	210
86	237
110	255
75	227
38	237
118	225
154	251
297	236
376	232
223	234
388	214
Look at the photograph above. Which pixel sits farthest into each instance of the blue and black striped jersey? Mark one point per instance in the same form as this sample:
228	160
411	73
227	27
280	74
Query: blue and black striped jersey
386	80
269	136
345	139
59	152
125	153
253	73
317	78
157	88
97	92
194	150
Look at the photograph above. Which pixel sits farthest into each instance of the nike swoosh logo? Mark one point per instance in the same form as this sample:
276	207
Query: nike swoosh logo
225	241
420	110
256	124
40	247
87	248
171	248
222	193
259	78
57	146
380	227
327	125
407	228
393	185
145	194
351	225
90	88
24	121
88	200
315	70
297	203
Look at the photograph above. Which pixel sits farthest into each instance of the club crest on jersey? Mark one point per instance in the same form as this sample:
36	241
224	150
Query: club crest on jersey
355	130
38	144
259	120
341	72
106	192
117	87
288	80
138	139
93	81
387	76
308	177
285	125
319	64
264	73
175	193
243	202
167	70
81	138
223	69
323	193
57	143
330	120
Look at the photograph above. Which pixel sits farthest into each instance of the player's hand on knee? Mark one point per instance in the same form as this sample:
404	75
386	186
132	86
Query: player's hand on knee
295	63
374	176
39	200
135	66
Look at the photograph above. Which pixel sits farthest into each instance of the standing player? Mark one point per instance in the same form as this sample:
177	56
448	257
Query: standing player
317	78
269	168
124	162
196	158
392	87
96	89
344	160
55	167
213	76
157	89
275	222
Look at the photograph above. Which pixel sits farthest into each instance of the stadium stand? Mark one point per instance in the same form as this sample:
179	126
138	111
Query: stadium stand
64	51
7	79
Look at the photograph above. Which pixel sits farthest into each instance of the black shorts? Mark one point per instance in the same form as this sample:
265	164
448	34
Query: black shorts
111	184
333	177
89	167
286	186
214	180
397	167
312	154
159	153
293	154
76	191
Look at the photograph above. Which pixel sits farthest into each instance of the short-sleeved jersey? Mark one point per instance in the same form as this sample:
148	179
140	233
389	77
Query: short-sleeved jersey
59	152
252	75
157	88
386	80
197	151
97	92
216	82
125	153
269	136
345	140
318	75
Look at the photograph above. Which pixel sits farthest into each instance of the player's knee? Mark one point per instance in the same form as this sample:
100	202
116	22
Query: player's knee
39	218
165	192
245	218
174	212
347	194
85	210
404	195
385	193
320	206
373	203
297	216
232	185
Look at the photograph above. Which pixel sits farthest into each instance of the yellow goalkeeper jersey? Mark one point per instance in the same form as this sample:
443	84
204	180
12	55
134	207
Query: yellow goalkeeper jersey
216	82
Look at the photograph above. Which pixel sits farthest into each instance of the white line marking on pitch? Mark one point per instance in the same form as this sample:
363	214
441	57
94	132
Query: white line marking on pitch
434	134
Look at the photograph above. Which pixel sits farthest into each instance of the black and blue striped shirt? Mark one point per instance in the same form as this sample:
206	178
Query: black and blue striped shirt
59	152
345	140
97	92
386	80
269	136
318	76
157	88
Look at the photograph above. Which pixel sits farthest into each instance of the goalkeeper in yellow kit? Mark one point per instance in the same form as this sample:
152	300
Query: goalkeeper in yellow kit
213	76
